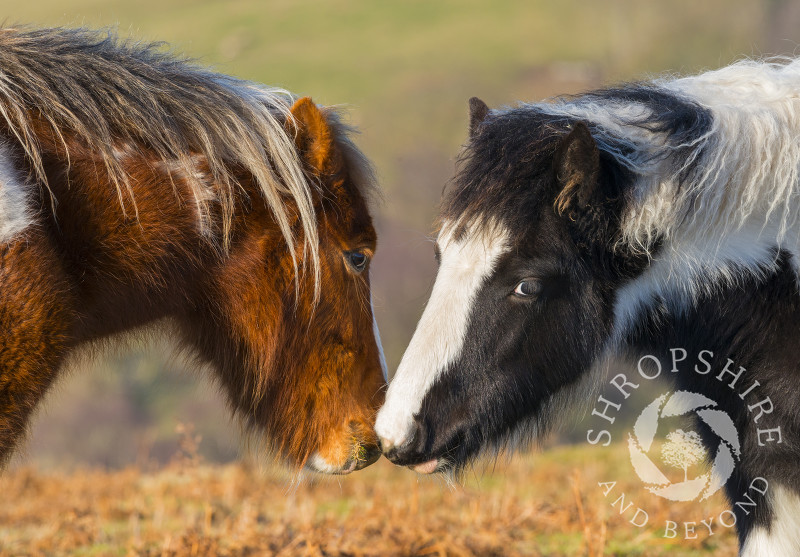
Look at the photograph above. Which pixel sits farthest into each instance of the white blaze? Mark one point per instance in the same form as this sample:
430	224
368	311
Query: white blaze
465	265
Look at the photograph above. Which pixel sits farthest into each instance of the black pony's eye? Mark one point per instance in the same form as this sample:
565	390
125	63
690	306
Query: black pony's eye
528	288
357	260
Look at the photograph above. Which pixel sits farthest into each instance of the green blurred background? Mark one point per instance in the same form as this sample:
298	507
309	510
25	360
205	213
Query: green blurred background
405	71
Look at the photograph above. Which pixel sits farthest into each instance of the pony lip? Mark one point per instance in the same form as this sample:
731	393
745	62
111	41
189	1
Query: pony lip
349	467
319	465
426	467
356	464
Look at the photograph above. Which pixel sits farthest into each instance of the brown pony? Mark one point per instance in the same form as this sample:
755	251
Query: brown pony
137	189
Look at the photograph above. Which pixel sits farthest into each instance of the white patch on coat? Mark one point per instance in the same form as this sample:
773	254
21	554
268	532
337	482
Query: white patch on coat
465	264
783	535
15	212
319	464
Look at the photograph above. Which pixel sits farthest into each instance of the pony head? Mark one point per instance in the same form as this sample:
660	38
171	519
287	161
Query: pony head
292	332
163	192
522	305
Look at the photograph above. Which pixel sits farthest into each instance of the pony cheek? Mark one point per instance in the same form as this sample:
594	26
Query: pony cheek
346	439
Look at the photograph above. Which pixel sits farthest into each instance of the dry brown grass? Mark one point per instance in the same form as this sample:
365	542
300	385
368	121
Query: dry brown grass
542	504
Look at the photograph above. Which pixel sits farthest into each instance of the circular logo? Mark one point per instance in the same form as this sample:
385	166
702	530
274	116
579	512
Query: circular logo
683	449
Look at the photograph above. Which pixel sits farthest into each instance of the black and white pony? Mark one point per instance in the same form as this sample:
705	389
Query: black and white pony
652	218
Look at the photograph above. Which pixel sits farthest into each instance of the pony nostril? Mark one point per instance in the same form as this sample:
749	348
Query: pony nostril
396	452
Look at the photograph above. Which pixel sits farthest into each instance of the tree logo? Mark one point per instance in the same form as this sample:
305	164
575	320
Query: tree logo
684	449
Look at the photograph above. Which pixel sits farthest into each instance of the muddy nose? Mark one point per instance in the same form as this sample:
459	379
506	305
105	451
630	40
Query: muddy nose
393	449
396	452
386	446
368	455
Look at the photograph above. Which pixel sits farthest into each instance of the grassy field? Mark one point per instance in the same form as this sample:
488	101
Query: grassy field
545	504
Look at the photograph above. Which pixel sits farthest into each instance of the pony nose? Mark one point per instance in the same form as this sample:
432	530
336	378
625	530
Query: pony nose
369	456
408	454
386	446
399	449
393	431
391	447
392	450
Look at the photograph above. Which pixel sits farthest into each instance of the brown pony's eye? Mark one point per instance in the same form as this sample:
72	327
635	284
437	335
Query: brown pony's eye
357	260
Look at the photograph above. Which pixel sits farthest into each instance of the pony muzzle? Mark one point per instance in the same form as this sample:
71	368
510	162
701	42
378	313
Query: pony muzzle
351	450
364	456
410	460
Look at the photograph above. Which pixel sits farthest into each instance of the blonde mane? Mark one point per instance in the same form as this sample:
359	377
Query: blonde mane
109	92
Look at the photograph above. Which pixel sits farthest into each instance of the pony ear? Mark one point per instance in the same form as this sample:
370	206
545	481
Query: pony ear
577	170
314	137
478	111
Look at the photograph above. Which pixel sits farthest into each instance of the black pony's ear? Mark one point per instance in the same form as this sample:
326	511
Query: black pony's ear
478	111
589	197
577	170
